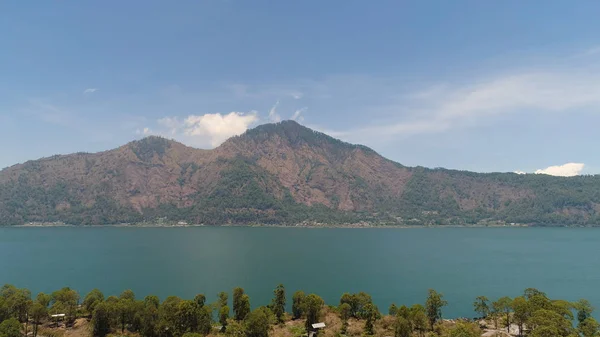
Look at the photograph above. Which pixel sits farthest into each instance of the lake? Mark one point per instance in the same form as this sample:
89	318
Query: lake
393	265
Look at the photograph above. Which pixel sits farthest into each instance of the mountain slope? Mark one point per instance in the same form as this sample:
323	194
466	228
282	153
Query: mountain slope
279	173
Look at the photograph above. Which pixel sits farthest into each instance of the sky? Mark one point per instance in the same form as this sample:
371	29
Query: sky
487	86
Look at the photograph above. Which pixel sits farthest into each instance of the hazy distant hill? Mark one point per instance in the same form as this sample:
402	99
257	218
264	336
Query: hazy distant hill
279	173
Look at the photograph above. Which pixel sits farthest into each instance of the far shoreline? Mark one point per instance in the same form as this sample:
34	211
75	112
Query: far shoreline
308	226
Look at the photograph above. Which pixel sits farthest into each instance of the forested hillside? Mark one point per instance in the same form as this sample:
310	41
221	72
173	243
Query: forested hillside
282	174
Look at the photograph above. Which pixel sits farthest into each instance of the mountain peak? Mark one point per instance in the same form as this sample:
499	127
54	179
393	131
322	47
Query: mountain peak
296	135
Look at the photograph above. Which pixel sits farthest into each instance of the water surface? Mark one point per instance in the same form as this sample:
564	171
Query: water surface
393	265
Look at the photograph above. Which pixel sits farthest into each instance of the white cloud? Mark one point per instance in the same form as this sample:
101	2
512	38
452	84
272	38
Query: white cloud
297	116
442	107
144	131
565	85
273	115
90	90
208	130
566	170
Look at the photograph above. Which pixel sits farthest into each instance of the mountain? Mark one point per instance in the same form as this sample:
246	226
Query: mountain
280	173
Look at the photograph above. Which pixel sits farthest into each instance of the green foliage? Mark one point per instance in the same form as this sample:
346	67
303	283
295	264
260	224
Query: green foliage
10	328
38	314
298	304
370	314
237	302
200	300
176	317
345	313
241	304
504	305
545	322
465	330
43	299
313	304
589	327
101	320
418	318
92	299
223	317
433	306
223	298
481	306
402	327
257	323
357	303
521	312
584	310
145	149
278	303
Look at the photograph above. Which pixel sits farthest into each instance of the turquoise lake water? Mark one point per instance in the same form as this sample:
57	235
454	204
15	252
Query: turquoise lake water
393	265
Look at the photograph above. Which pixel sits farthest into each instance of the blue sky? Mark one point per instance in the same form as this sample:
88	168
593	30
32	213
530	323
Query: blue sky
475	85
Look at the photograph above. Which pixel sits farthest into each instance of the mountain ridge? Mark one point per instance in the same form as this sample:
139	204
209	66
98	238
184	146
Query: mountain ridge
281	173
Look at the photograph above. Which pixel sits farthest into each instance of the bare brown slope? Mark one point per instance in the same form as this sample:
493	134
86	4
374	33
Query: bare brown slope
141	174
269	174
318	169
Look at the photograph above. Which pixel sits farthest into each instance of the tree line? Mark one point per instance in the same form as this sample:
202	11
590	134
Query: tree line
534	313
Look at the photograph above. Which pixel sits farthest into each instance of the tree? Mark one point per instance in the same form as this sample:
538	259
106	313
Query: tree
187	317
237	303
127	295
589	327
481	306
584	310
345	311
38	314
223	297
168	319
504	305
393	310
204	320
278	303
313	306
298	300
244	307
257	323
545	322
17	301
200	300
10	328
43	299
223	317
101	320
149	316
125	309
151	300
345	314
433	306
529	293
402	327
357	302
370	314
520	312
418	318
65	299
465	330
92	299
